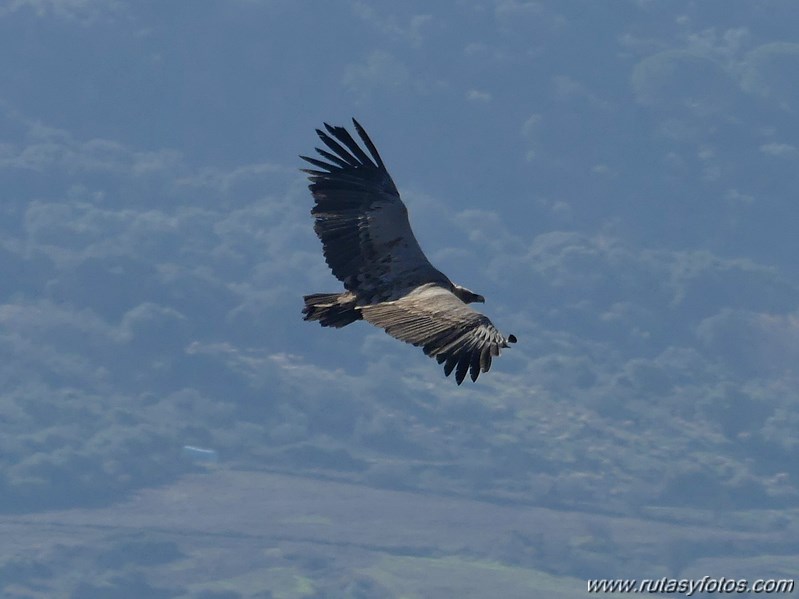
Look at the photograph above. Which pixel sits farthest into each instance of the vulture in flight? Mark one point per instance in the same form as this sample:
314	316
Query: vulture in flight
388	281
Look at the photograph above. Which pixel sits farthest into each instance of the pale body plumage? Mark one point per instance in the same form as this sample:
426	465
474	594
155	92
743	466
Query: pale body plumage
370	247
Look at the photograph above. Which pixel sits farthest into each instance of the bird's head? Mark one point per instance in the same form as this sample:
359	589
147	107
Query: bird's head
467	296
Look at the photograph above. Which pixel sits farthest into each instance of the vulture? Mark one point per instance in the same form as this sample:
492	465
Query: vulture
388	281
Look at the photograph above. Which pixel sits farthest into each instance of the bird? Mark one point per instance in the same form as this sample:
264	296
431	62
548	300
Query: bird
388	281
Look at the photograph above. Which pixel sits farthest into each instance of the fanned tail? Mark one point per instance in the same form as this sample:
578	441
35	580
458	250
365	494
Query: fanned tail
331	309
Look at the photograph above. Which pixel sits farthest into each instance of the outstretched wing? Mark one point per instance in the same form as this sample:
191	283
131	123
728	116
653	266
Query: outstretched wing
432	318
360	218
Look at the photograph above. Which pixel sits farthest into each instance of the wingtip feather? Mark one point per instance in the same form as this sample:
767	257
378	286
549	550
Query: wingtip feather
463	368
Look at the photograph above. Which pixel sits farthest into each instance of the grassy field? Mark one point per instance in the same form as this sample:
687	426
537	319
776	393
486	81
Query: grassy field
228	534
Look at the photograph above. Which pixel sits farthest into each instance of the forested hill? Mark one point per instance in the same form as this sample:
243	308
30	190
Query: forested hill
618	181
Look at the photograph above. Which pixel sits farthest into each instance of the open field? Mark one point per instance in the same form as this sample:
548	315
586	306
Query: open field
256	534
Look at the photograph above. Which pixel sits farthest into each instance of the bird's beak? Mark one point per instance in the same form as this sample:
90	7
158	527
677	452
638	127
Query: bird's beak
479	298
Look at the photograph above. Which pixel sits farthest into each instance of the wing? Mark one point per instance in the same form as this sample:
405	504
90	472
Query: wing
360	218
432	318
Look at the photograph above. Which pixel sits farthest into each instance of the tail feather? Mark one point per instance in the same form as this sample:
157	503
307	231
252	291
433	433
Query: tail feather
331	309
